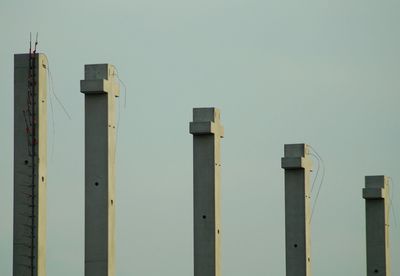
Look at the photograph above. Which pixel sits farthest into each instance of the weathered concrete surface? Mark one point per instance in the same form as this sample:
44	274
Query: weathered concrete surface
376	195
207	132
101	89
30	162
297	165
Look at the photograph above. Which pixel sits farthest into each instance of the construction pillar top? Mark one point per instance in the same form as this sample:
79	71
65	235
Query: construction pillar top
207	132
297	165
101	89
376	195
99	79
30	164
206	121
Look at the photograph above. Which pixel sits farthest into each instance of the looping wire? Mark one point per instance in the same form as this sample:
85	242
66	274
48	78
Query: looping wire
321	166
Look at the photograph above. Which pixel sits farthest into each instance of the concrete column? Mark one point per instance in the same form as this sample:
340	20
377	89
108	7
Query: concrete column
30	161
297	165
376	195
101	89
207	133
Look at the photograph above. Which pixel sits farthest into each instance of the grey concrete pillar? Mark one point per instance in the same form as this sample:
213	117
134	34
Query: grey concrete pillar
376	195
207	132
297	165
30	161
101	89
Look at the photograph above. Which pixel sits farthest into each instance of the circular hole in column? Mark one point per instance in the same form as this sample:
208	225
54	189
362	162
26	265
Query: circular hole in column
112	202
42	178
26	162
218	231
295	245
204	216
376	271
96	183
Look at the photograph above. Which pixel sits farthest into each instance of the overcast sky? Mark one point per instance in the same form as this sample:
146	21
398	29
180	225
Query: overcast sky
319	72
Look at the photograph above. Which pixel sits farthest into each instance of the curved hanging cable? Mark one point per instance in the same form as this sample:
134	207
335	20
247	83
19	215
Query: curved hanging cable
321	160
317	173
119	108
53	123
55	94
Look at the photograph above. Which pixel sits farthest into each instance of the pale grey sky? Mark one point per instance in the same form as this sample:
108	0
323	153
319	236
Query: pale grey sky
321	72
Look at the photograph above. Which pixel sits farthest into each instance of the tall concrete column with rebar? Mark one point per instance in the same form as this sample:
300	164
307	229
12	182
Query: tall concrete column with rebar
207	133
297	165
101	88
30	164
376	195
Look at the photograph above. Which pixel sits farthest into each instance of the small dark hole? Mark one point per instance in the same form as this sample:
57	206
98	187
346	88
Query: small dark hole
112	202
96	183
218	231
42	178
376	271
26	162
204	217
295	245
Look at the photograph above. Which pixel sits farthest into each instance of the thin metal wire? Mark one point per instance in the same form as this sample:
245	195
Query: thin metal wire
123	84
317	173
321	182
55	94
49	85
119	109
391	204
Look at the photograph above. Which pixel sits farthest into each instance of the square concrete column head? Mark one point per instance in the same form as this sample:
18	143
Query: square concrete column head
375	181
100	79
205	114
375	186
295	157
206	120
296	150
21	60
